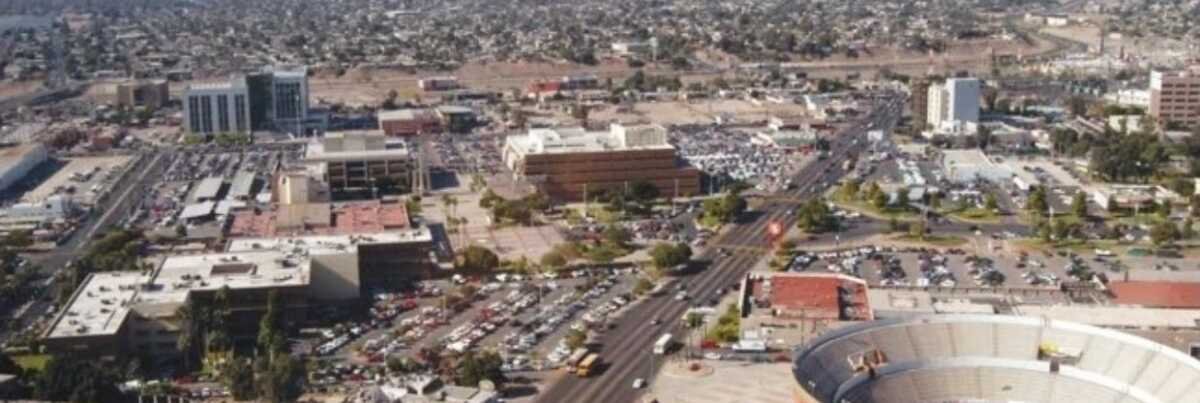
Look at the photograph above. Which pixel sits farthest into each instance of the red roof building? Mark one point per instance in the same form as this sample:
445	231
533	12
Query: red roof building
818	296
321	219
1156	294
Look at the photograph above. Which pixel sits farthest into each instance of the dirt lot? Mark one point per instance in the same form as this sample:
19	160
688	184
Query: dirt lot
17	88
702	112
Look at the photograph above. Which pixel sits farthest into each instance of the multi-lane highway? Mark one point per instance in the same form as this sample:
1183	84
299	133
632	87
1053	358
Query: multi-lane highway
626	349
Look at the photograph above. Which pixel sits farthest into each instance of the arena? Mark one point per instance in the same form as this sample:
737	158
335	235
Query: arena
991	358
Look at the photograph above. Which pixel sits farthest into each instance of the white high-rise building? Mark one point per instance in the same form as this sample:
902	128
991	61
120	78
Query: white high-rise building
953	107
217	107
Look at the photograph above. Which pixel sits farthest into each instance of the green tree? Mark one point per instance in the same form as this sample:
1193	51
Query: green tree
19	239
576	338
239	378
489	198
477	258
642	286
665	256
902	199
990	203
643	192
474	367
280	379
814	216
878	200
1187	229
849	189
617	235
917	230
1079	205
66	378
271	335
553	260
1037	202
1164	233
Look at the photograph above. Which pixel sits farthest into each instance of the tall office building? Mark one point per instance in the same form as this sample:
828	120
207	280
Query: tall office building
289	97
217	107
1175	97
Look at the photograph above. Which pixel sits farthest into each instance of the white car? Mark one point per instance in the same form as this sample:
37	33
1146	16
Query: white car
639	383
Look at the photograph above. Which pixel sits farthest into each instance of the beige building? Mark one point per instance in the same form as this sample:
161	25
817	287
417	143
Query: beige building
151	94
361	160
1175	97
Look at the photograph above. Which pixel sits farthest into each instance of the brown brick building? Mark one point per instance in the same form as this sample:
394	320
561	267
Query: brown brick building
409	122
1175	97
566	163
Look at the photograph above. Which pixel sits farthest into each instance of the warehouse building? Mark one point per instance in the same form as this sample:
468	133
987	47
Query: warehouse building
567	163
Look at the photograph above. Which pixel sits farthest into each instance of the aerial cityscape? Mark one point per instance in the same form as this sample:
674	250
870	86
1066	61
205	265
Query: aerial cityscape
599	201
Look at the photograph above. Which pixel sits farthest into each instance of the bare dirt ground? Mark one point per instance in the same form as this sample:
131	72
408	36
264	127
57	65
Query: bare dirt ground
18	88
364	87
695	112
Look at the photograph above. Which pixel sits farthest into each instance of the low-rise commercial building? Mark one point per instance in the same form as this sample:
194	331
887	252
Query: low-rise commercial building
409	122
150	94
1133	196
443	83
137	312
457	119
361	160
567	163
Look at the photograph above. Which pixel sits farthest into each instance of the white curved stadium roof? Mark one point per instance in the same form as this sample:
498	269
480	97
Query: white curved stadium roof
991	358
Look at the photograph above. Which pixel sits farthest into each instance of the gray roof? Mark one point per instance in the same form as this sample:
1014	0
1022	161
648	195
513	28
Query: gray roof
209	188
242	184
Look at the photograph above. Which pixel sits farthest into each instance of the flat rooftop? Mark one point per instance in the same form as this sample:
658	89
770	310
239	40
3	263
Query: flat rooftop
327	219
11	156
316	244
1156	294
99	306
408	114
818	295
578	140
1117	316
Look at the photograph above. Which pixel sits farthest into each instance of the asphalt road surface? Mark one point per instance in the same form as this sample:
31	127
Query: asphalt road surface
626	350
119	205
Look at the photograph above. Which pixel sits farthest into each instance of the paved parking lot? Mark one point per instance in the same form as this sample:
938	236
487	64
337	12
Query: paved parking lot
525	319
84	176
730	155
913	267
